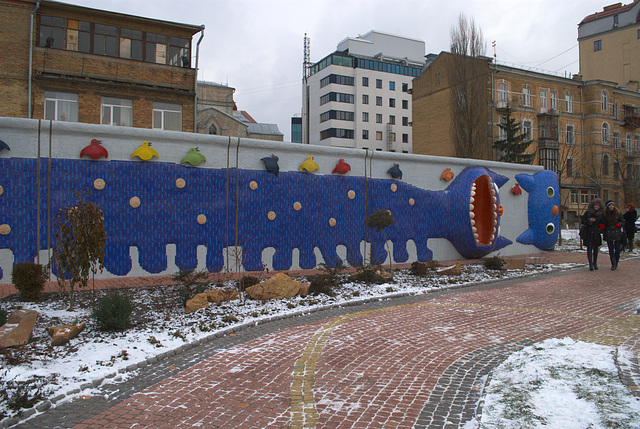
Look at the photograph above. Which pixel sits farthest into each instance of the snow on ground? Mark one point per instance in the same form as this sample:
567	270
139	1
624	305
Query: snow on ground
559	383
160	325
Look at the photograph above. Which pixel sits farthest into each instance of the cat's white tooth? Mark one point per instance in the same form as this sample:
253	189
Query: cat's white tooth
471	207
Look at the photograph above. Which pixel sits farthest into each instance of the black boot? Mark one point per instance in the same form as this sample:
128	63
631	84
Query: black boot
595	260
589	258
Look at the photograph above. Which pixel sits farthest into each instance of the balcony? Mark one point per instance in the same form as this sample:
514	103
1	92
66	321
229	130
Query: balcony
548	143
632	121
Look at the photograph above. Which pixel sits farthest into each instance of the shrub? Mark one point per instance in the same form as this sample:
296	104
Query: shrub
419	269
3	316
192	279
113	312
321	283
246	282
371	275
494	263
29	279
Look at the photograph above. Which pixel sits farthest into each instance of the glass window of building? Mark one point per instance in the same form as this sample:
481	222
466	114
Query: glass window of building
131	44
365	99
571	139
526	96
105	40
60	106
156	48
543	101
51	32
365	81
378	118
167	116
405	104
117	111
78	35
365	116
392	86
379	83
179	52
392	102
365	134
378	101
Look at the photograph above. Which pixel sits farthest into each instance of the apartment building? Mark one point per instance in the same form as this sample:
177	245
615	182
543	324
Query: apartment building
359	96
64	62
609	43
586	131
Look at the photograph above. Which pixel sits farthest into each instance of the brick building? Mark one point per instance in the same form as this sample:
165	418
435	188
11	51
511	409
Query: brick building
70	63
586	131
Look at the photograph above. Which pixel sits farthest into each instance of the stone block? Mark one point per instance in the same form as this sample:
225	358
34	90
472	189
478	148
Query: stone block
18	329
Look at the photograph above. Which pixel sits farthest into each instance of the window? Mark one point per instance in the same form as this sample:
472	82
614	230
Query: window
167	116
365	116
378	118
605	133
60	106
378	135
336	96
629	147
616	170
378	101
616	140
51	32
405	138
636	143
502	134
405	104
340	115
116	111
605	165
597	45
543	101
405	87
615	20
392	86
405	121
105	40
365	81
569	167
392	102
549	159
392	137
179	53
502	94
568	103
571	138
554	101
156	48
615	110
131	44
365	134
365	99
605	103
78	35
335	78
584	196
605	195
392	119
574	196
379	83
336	132
527	129
526	96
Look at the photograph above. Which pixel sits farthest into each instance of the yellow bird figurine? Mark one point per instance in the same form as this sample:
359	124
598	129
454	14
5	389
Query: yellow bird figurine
145	152
309	165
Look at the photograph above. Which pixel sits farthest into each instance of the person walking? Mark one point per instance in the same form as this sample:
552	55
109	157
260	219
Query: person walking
611	226
630	215
590	232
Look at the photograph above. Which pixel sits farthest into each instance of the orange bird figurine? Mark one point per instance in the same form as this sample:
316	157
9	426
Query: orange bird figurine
342	167
95	150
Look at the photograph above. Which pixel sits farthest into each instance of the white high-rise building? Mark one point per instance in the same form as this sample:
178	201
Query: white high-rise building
359	96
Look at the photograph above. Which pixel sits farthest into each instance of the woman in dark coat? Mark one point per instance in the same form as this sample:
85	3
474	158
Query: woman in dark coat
630	217
590	231
612	222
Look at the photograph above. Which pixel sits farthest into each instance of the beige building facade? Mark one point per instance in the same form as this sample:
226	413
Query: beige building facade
586	131
609	44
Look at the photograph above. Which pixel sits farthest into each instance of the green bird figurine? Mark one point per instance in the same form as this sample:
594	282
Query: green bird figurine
194	157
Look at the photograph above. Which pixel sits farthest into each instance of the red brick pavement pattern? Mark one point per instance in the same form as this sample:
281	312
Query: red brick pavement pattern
377	369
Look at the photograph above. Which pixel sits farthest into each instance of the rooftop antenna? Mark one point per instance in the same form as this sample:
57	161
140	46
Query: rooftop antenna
495	58
307	57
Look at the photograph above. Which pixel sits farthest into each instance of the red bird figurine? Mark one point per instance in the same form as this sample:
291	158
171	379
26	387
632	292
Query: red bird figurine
515	189
95	150
342	167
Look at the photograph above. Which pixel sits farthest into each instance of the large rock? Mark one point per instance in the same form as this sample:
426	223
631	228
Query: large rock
304	289
277	287
60	335
454	270
196	303
18	329
221	295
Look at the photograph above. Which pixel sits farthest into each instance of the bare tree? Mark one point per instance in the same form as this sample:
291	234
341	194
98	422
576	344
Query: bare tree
467	79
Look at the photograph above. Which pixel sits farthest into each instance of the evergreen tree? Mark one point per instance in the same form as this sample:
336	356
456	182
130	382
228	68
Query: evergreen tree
512	147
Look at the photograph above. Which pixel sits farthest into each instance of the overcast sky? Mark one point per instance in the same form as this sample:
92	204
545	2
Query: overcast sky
256	46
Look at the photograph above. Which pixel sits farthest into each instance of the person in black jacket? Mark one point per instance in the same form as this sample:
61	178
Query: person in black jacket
612	222
630	217
590	232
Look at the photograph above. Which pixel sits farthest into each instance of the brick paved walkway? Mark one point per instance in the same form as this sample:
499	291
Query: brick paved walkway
415	361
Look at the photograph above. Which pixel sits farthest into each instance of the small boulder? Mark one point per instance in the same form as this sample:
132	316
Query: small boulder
277	287
221	295
196	303
454	270
60	335
304	289
514	264
18	329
